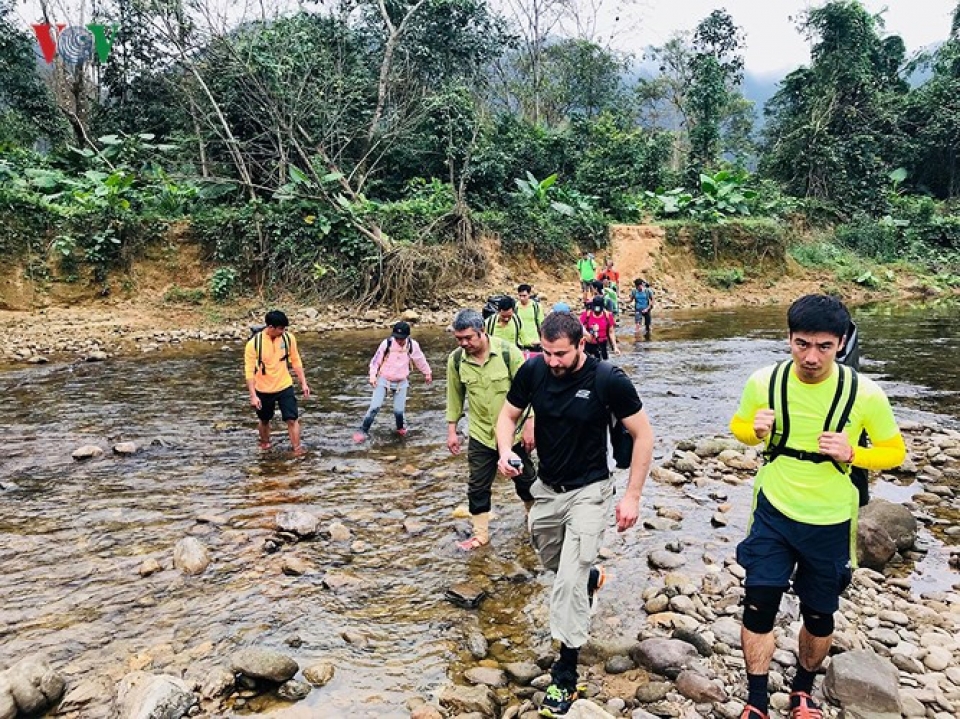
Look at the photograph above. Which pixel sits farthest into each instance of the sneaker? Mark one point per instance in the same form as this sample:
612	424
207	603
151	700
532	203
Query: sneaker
597	578
359	437
802	706
751	712
557	701
402	431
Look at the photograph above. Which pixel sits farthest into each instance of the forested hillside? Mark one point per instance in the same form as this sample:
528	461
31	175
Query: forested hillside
362	149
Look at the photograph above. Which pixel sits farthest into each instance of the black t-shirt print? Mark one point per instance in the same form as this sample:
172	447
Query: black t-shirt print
571	424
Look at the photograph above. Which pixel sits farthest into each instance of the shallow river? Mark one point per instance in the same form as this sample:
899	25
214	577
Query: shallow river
73	535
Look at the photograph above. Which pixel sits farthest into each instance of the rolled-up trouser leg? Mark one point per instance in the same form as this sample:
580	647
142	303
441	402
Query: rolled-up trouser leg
376	402
576	521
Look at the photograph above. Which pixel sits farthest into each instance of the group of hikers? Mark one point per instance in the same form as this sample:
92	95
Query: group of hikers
549	394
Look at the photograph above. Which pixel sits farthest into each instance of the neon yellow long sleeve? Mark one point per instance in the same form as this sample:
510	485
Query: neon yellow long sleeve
743	430
887	454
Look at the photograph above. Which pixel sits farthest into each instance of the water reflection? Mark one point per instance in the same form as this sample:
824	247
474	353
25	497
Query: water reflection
73	535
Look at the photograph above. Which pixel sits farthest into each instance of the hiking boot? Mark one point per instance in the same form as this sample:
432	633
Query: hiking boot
402	431
802	706
597	578
359	437
751	712
557	701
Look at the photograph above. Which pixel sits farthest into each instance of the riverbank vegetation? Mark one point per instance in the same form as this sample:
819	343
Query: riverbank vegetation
365	150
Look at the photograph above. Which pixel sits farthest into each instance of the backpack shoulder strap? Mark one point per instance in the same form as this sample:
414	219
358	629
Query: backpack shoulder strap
517	324
602	382
258	346
457	359
490	323
506	360
777	401
536	315
851	398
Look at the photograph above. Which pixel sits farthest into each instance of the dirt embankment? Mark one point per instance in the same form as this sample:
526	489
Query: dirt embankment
151	306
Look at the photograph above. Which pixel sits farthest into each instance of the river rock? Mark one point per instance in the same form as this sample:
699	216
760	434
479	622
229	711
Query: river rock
663	656
150	566
339	532
668	476
586	709
522	673
735	460
219	682
87	451
696	639
319	674
699	688
863	682
34	685
190	557
302	524
477	645
895	519
618	665
425	711
665	559
874	546
126	448
293	691
91	697
713	447
727	630
463	700
261	663
653	692
486	675
148	696
294	566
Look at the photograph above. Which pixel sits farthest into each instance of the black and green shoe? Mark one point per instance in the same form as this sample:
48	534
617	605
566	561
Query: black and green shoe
557	701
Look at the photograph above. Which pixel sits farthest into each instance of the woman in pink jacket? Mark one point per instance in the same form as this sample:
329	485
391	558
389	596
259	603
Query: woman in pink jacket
390	370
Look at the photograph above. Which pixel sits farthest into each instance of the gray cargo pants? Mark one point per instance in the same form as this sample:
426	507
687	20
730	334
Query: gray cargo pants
567	529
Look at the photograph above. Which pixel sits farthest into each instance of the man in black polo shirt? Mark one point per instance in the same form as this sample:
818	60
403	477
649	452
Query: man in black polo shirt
573	495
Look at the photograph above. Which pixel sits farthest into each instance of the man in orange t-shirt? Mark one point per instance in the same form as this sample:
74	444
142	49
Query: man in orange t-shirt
268	358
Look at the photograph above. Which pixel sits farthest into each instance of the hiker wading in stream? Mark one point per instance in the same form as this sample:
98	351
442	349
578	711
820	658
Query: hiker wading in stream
268	358
810	411
480	371
573	396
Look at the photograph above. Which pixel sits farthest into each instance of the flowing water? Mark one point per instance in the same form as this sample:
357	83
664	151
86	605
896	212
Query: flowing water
73	535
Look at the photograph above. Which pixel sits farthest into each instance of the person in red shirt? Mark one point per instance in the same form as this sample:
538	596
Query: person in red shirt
609	273
599	326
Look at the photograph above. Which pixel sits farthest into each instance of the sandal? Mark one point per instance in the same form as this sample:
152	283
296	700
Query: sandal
265	445
806	707
468	545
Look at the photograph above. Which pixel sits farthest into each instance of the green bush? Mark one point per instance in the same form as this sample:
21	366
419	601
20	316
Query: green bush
223	283
724	279
177	295
753	239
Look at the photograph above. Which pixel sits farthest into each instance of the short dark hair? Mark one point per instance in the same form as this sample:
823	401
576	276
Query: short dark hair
506	303
818	313
276	318
524	288
637	282
561	324
597	285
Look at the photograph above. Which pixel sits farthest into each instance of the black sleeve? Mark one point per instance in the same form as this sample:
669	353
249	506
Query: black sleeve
622	395
521	389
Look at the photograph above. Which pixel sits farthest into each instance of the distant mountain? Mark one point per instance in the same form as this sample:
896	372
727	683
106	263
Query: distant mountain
759	89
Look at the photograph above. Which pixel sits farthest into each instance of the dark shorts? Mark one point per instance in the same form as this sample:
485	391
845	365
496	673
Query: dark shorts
777	545
285	398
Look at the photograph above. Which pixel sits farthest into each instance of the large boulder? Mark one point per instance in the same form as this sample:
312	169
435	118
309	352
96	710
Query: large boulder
663	656
864	684
149	696
895	519
874	546
8	707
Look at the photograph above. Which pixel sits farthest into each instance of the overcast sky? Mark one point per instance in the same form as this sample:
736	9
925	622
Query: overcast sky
774	46
773	43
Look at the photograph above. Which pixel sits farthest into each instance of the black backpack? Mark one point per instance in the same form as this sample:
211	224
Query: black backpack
492	306
257	333
621	441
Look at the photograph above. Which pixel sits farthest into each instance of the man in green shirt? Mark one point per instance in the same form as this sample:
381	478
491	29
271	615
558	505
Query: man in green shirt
587	269
505	325
530	316
480	371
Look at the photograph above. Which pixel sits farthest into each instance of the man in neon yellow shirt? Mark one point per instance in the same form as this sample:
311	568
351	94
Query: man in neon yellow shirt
805	504
530	316
505	325
587	269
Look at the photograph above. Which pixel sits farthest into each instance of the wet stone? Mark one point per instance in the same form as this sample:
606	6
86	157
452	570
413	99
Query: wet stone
87	451
264	664
293	691
487	676
619	665
522	673
477	645
319	674
663	559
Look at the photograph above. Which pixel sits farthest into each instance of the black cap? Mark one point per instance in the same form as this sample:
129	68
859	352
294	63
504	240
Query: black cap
597	303
401	330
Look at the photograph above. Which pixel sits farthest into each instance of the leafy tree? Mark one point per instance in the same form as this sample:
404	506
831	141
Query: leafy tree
28	111
833	126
